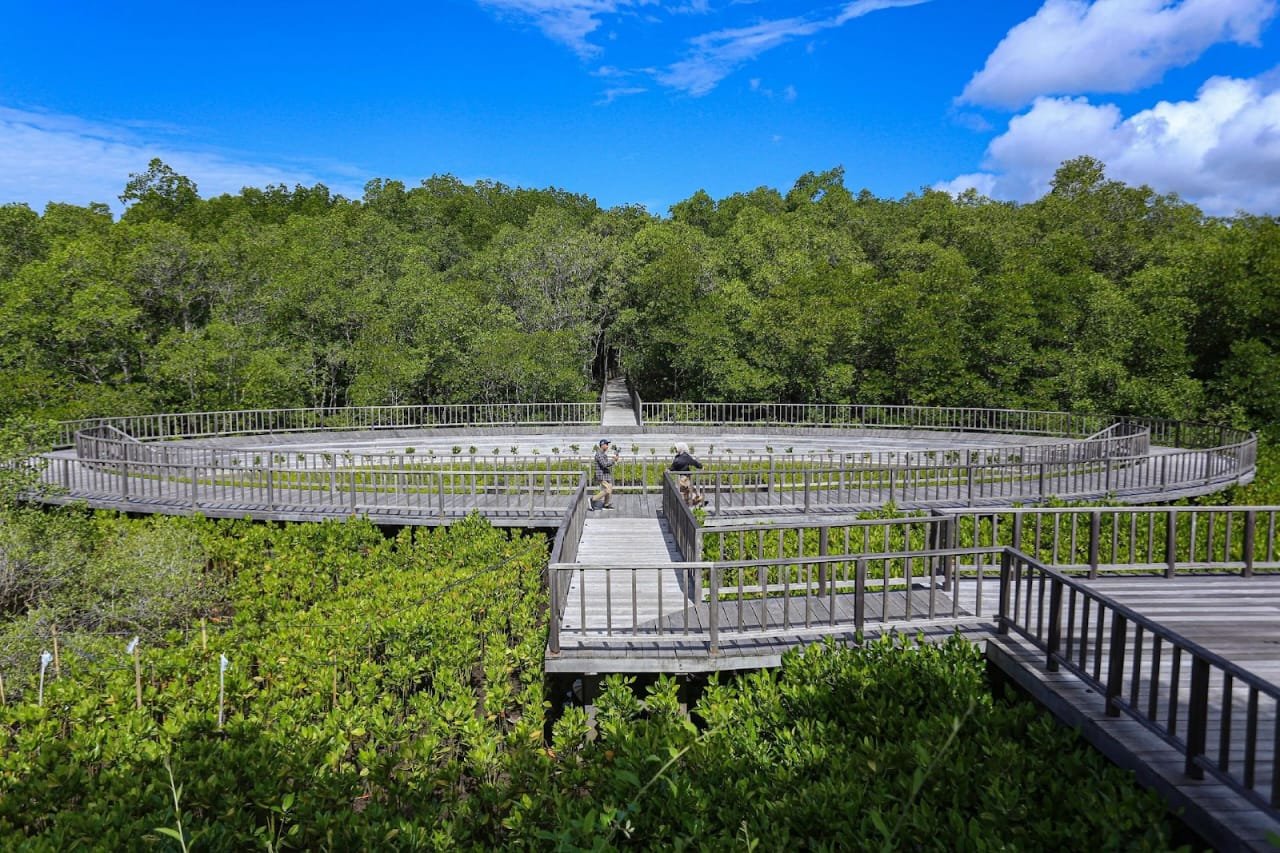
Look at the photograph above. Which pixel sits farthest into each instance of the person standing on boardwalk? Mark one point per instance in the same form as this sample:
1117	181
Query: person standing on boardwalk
684	462
604	462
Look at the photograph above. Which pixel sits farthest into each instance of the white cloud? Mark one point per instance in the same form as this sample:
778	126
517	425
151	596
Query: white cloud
715	55
1220	150
50	157
611	95
1073	46
566	21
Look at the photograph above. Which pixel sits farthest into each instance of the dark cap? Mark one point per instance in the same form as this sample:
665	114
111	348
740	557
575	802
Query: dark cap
602	441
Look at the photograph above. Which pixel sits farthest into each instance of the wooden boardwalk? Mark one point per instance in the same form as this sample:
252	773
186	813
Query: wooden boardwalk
618	412
1235	617
1232	616
601	595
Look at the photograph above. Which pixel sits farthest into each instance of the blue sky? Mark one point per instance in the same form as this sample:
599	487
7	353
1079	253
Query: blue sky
644	101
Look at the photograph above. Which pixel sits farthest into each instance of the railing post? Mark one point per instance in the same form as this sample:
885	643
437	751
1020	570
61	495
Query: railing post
1107	478
713	610
553	636
1171	544
824	535
1115	662
806	491
1055	623
1164	473
719	483
1198	716
352	497
1095	534
1250	524
271	499
124	479
859	594
969	471
1042	494
440	489
1006	585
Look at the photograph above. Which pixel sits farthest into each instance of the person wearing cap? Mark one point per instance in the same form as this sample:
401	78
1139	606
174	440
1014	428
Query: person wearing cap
604	462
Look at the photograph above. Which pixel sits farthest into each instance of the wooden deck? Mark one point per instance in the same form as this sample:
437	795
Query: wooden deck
1237	618
1232	616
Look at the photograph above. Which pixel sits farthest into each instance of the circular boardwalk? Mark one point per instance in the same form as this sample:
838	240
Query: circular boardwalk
523	464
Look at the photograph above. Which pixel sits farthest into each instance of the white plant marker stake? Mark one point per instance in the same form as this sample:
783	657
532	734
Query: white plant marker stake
223	666
133	649
46	658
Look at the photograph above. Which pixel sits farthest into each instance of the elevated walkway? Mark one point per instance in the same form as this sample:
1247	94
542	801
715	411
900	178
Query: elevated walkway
604	594
617	412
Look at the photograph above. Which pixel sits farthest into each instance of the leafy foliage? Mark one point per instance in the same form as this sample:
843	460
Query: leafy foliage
1097	297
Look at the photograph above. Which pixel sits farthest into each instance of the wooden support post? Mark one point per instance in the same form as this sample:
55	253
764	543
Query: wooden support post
713	610
1055	624
1095	533
1171	543
1198	717
553	631
1115	662
1006	590
824	536
859	595
1250	526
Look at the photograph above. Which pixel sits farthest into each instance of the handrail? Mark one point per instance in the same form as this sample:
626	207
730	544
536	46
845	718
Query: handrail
1076	643
564	550
395	485
835	488
637	405
684	526
249	421
1161	538
260	421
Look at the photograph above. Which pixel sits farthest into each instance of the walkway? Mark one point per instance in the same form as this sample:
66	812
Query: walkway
602	595
618	412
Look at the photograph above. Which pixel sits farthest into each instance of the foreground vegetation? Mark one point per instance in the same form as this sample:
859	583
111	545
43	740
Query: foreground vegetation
388	692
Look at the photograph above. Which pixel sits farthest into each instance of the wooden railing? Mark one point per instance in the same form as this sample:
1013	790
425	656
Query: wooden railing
1111	460
564	550
1137	666
807	563
1063	424
264	421
1091	539
795	489
323	484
